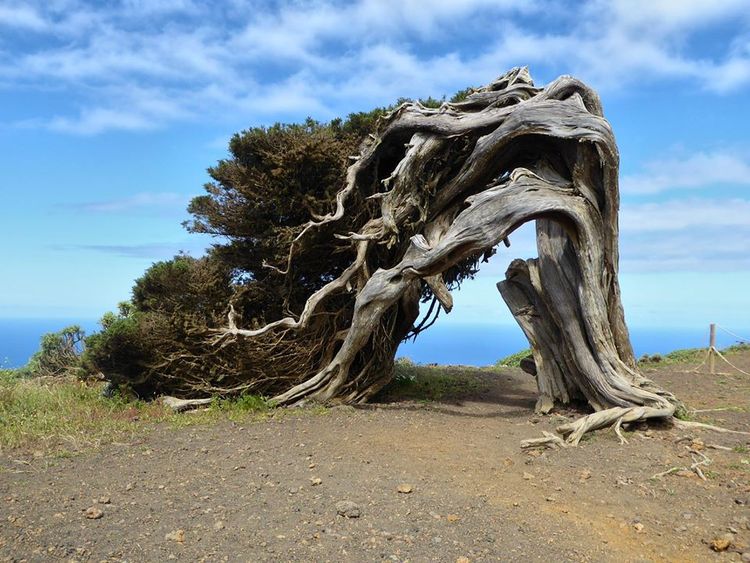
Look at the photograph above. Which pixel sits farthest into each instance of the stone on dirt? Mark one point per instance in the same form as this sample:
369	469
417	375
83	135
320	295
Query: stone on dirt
176	536
722	543
93	513
348	509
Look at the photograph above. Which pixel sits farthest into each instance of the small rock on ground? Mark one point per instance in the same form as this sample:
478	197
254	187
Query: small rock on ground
722	543
348	509
176	536
93	513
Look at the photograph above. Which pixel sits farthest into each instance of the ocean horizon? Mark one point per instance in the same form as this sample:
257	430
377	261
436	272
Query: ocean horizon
450	343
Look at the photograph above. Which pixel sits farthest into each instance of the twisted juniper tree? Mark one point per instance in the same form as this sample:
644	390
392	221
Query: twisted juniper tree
435	190
326	264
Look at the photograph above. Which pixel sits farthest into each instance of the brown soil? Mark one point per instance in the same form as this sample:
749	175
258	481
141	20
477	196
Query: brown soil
246	492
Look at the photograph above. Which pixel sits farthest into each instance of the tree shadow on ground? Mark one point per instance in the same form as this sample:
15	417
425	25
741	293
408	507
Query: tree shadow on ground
460	391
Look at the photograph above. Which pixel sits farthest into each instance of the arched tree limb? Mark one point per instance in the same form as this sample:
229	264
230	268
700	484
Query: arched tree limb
445	186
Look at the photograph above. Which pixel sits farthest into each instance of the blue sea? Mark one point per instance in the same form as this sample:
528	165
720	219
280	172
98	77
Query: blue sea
481	345
476	345
19	338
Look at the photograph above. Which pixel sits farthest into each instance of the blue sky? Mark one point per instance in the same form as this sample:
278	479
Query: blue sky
111	111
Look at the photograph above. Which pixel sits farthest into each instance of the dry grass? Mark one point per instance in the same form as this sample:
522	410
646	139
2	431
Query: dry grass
429	383
60	416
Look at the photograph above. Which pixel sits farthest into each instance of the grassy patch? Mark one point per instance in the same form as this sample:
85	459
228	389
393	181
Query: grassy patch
61	416
430	383
685	356
514	360
64	414
242	405
743	466
688	355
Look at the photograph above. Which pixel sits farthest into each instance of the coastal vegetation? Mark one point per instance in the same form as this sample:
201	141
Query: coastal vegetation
259	199
63	415
329	236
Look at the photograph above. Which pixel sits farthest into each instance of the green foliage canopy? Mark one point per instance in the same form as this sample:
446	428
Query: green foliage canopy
273	181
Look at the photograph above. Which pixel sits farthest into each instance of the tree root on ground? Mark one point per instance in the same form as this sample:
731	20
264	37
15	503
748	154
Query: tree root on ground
703	426
699	459
615	418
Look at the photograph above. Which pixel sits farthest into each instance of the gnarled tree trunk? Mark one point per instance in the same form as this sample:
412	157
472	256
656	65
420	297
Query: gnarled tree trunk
450	184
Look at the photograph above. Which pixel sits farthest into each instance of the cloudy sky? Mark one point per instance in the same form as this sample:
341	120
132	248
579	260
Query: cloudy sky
111	111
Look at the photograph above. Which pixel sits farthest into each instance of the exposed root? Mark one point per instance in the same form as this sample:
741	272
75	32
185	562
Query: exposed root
618	431
611	417
699	460
179	405
549	441
703	426
616	417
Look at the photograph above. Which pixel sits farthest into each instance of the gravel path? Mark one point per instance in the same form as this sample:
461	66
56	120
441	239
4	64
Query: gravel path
402	481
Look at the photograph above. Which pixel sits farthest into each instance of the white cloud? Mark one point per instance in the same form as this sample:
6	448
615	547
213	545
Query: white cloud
324	55
140	8
694	171
693	214
97	120
697	251
735	71
668	15
686	235
23	17
150	251
143	200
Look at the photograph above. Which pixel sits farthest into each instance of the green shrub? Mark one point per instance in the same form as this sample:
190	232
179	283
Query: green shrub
687	355
59	354
174	304
430	382
514	360
404	369
258	202
739	347
124	348
242	404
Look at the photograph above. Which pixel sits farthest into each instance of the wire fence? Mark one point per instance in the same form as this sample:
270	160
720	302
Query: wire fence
713	351
742	339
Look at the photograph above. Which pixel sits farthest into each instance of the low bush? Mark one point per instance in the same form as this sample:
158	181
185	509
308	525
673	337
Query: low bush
59	354
514	360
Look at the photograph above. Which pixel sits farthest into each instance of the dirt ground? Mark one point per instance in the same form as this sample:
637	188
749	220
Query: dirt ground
270	490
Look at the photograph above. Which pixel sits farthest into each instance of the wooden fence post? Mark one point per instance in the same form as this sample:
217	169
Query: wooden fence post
712	350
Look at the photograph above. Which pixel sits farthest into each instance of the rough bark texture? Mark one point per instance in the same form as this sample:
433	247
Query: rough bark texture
448	186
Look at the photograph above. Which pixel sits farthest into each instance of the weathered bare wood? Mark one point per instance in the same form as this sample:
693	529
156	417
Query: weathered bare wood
179	405
467	175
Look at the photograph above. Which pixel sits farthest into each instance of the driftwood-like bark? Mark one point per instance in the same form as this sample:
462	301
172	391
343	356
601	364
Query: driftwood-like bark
449	185
179	405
